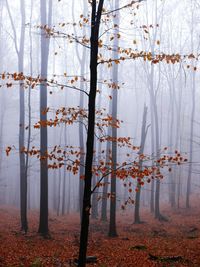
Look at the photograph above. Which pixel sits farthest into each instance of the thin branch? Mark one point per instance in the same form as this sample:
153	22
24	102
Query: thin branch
125	6
13	28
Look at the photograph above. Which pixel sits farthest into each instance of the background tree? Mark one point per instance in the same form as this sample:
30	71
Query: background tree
43	223
20	56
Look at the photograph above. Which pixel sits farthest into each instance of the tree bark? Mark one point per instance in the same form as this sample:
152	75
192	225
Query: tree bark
95	24
43	223
20	55
112	225
141	151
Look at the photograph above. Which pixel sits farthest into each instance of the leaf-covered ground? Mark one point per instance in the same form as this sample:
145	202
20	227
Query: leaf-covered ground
153	243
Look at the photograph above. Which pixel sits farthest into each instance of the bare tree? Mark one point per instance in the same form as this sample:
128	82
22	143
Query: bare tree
20	56
43	223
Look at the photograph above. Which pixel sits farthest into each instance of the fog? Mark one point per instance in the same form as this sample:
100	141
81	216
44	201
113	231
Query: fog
148	61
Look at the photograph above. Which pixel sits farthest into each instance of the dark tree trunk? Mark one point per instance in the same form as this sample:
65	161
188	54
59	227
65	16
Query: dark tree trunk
95	24
112	225
43	223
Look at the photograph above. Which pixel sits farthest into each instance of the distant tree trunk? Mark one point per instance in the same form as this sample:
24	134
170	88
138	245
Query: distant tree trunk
152	198
172	173
179	126
180	170
69	194
172	184
23	172
153	88
3	107
82	61
193	78
157	146
29	110
188	191
20	54
155	142
60	185
81	141
64	175
59	191
94	212
105	187
157	192
112	225
95	24
104	200
43	223
141	151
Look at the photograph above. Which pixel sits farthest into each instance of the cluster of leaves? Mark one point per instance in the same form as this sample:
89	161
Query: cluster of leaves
27	81
58	157
69	157
70	115
30	81
67	81
128	54
121	141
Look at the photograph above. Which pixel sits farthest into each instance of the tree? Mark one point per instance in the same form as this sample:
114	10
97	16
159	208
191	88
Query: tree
193	85
140	153
23	172
43	223
95	25
112	225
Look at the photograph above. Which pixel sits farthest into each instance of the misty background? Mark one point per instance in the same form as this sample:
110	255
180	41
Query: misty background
158	27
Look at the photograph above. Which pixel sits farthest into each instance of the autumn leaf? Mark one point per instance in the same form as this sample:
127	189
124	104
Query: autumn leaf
8	149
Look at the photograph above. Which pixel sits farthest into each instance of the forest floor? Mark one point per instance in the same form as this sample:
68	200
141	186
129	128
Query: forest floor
153	243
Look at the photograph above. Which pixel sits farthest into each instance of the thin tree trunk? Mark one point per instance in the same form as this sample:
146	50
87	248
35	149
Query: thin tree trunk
64	175
29	111
20	54
95	24
188	189
43	222
105	188
112	225
141	151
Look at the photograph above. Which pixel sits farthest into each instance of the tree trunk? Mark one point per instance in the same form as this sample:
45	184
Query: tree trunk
141	151
95	24
20	54
112	225
193	78
23	174
94	212
105	188
43	223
